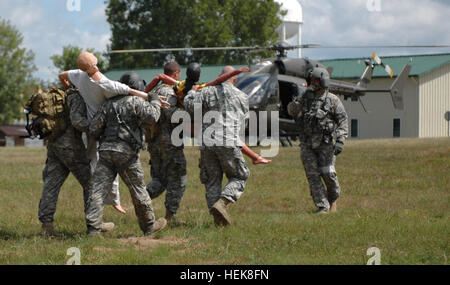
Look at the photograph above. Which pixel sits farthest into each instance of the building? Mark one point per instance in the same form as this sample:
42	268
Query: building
426	101
11	135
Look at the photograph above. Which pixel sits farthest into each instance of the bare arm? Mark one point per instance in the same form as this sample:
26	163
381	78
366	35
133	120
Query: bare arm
224	77
138	93
64	78
165	78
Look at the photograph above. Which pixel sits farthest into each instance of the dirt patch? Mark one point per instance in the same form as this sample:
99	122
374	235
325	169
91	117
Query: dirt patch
141	243
146	242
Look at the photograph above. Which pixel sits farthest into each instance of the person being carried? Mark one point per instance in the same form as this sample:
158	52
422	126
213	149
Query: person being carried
95	88
181	88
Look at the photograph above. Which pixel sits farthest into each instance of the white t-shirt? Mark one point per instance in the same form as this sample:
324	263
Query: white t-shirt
95	93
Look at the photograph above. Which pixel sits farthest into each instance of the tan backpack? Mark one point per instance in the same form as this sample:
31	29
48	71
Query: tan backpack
48	111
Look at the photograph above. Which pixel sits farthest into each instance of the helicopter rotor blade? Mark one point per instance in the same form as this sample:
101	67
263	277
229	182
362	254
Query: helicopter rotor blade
384	46
378	61
389	70
250	48
274	47
185	49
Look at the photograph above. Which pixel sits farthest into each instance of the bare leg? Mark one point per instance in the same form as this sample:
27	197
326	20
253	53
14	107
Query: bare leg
256	158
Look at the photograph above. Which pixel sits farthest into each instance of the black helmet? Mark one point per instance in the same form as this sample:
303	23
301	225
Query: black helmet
321	74
133	80
193	72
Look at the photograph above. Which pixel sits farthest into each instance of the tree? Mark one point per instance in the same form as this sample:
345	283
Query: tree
137	24
16	68
68	59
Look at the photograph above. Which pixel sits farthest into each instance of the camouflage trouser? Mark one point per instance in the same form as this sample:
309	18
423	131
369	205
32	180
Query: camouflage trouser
319	164
60	162
113	196
214	162
130	170
168	172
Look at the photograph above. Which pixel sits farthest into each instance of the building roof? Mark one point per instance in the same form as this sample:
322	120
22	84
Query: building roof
13	131
208	73
354	67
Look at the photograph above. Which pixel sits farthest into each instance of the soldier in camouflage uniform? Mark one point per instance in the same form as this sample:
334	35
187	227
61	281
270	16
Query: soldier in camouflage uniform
222	154
65	154
168	163
323	126
118	124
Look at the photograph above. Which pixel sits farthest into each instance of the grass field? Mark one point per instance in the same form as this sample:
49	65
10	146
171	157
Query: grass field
395	196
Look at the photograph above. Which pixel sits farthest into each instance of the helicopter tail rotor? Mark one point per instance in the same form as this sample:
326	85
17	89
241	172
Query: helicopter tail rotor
378	61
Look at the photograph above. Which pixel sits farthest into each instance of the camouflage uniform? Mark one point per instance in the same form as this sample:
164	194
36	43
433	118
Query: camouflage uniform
65	154
225	156
168	163
322	120
118	121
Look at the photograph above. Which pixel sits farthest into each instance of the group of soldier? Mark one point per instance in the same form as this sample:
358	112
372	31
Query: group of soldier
116	116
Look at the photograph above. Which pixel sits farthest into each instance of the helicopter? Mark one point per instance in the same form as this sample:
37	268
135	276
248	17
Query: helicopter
273	83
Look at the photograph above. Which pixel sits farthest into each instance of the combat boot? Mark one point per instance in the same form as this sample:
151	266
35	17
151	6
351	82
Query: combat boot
107	227
218	221
48	230
219	212
321	211
158	226
333	207
173	220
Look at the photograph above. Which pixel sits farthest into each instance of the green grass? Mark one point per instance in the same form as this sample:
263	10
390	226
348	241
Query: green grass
395	196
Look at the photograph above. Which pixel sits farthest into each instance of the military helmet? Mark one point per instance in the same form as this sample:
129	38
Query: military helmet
133	80
321	74
193	72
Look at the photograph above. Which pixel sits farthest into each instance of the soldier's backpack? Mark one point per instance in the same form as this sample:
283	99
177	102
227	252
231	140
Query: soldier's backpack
48	113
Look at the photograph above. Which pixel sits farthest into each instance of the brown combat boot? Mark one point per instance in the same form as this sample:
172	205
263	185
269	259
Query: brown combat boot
48	230
173	220
107	227
333	207
158	226
220	214
321	211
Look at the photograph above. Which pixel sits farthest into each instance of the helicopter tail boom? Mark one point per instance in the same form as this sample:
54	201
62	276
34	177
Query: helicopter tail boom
397	88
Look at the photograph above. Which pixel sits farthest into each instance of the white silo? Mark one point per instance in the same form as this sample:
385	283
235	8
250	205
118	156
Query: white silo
291	28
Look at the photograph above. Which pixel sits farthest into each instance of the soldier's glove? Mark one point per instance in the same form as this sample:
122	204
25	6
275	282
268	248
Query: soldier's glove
338	147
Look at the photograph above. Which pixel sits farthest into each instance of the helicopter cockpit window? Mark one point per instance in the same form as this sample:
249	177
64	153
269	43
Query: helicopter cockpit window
259	89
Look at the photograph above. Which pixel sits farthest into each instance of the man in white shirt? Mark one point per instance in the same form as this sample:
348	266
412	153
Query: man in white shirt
95	88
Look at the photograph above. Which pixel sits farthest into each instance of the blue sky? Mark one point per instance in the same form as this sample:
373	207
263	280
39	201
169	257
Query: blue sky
47	26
